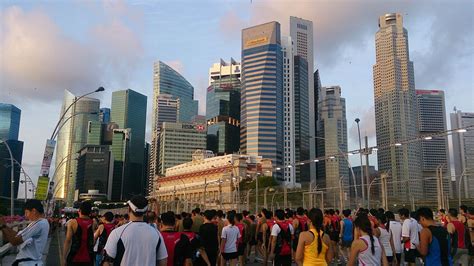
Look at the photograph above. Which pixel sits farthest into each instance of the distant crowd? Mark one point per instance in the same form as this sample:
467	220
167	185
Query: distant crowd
284	237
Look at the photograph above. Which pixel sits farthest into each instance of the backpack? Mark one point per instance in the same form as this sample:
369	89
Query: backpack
444	242
283	241
77	252
104	236
195	243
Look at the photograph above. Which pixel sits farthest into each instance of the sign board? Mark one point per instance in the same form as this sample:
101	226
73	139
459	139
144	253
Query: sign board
47	157
42	188
257	41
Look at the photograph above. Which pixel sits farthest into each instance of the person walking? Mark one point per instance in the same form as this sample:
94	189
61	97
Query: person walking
79	243
281	236
209	239
32	240
457	230
385	238
313	245
229	237
135	243
346	234
410	236
102	234
367	250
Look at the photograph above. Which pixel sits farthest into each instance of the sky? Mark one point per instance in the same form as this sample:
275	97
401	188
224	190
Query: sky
49	46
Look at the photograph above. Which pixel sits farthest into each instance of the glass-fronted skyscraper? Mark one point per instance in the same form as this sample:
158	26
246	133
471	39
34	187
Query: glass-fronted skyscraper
129	112
261	130
463	152
301	116
72	137
223	108
104	115
434	152
9	121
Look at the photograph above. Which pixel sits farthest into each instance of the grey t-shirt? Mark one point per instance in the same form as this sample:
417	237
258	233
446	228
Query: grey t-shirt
35	237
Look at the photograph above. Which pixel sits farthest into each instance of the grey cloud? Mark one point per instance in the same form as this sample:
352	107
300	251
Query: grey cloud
39	61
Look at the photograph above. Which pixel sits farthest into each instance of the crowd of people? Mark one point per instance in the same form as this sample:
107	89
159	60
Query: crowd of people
283	237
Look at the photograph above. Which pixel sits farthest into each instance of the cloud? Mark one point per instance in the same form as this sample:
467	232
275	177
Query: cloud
39	60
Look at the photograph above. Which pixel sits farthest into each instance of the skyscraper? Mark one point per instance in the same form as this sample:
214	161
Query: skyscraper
104	115
302	119
434	151
180	95
72	137
301	32
261	127
332	140
9	121
395	109
178	141
94	169
129	112
9	130
223	108
463	152
289	174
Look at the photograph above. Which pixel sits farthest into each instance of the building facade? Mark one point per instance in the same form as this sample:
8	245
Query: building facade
209	181
72	137
261	127
396	117
178	141
129	113
104	115
463	152
434	150
289	173
9	121
332	143
94	169
301	32
223	107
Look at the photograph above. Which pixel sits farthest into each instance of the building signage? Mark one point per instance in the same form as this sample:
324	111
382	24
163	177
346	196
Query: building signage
47	157
42	188
256	41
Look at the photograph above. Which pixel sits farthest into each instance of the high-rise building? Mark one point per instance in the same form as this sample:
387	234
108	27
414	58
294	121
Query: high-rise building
302	119
129	112
72	137
463	152
9	121
396	116
434	150
94	169
301	32
9	130
223	108
332	140
317	89
104	115
178	141
171	93
261	127
289	174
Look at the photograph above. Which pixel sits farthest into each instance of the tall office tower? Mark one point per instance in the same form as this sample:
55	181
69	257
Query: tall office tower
178	141
168	81
317	89
94	169
72	137
129	112
9	130
463	153
289	174
223	108
395	109
104	115
332	141
9	121
301	32
261	127
302	119
434	151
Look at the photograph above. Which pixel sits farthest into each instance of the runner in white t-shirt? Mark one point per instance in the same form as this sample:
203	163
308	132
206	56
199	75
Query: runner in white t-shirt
409	236
395	229
230	235
136	243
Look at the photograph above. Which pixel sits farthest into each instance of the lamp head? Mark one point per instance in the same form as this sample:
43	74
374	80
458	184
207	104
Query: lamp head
357	120
100	89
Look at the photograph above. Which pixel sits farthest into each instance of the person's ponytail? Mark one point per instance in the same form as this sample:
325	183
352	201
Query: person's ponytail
363	223
316	217
372	247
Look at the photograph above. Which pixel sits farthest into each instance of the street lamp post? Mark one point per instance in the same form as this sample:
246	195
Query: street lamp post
357	120
459	185
256	192
12	174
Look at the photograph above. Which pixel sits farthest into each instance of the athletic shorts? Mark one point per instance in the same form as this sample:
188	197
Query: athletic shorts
410	255
346	243
334	236
241	249
230	256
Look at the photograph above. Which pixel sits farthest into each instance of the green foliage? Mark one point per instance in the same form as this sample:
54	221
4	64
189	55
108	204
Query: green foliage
263	182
